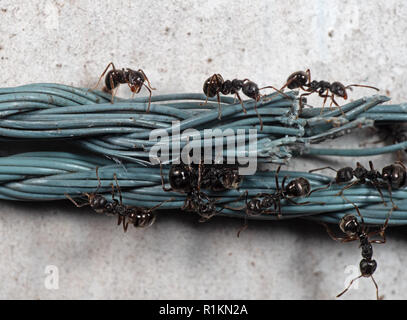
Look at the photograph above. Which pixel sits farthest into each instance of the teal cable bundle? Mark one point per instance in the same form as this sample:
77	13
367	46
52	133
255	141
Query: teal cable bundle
46	176
121	130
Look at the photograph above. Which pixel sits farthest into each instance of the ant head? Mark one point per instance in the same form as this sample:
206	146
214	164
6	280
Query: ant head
180	178
212	85
395	174
253	205
298	188
339	89
251	89
367	267
135	77
349	225
97	202
297	79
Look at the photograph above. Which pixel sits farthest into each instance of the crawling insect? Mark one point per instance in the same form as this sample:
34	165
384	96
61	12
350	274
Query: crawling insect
215	85
354	230
261	203
137	216
96	201
302	80
362	175
134	79
188	179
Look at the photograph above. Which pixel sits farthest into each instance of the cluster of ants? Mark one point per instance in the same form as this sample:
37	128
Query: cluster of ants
215	85
192	179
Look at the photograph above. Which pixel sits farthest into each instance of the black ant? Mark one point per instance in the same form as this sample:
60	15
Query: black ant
358	231
361	174
215	85
262	202
302	80
134	79
137	216
183	179
219	177
96	201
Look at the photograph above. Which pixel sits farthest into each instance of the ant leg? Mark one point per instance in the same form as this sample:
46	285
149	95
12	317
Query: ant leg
145	77
376	185
125	225
162	179
279	91
350	284
219	106
149	99
359	214
313	170
337	104
377	288
114	91
303	203
382	230
74	202
241	101
246	224
199	175
324	96
112	192
160	204
276	177
99	182
301	104
322	188
104	72
245	194
258	116
335	238
350	185
118	188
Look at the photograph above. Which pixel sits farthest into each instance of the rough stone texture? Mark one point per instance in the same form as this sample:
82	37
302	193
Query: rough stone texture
178	44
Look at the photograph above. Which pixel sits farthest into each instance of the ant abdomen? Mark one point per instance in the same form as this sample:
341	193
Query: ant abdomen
297	80
113	78
181	178
299	187
367	267
213	85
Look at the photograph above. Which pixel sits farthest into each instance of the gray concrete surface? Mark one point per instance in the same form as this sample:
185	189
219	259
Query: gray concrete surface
179	44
